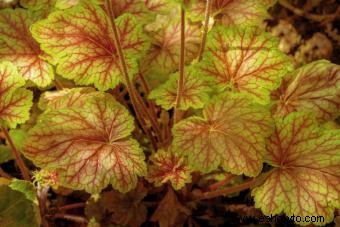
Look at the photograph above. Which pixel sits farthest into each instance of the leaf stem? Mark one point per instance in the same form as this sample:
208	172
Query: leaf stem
70	217
23	168
71	206
205	29
226	191
4	174
130	87
180	84
221	183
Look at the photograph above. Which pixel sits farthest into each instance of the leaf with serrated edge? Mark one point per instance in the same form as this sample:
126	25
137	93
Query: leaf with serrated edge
247	60
81	40
73	97
15	102
168	166
37	4
135	7
314	87
158	6
233	12
231	134
163	55
65	4
195	91
16	210
90	146
306	177
18	46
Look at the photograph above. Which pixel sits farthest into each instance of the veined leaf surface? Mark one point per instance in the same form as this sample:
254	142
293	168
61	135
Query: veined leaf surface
195	91
90	146
82	41
233	12
168	166
231	134
18	46
306	177
314	88
15	102
74	97
246	60
163	56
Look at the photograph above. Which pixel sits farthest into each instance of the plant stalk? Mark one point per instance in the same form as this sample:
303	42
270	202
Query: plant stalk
180	85
245	185
205	29
23	168
130	87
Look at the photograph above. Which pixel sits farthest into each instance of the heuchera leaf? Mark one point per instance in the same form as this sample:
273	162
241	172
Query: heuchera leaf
163	56
246	60
16	210
231	134
168	166
5	154
37	4
170	212
233	12
15	102
158	6
81	40
18	46
65	4
314	88
73	97
195	91
26	187
306	177
89	146
135	7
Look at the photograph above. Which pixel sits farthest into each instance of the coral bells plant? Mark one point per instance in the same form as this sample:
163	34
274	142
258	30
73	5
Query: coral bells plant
127	111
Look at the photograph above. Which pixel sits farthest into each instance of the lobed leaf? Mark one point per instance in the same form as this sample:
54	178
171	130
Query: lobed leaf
37	4
306	177
17	210
25	187
15	102
17	45
163	56
73	97
135	7
81	40
231	134
195	91
89	146
168	166
246	60
233	12
313	88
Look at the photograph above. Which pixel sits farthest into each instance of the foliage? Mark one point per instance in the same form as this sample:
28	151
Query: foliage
132	100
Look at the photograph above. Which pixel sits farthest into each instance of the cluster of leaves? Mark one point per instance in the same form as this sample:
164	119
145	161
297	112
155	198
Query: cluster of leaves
164	92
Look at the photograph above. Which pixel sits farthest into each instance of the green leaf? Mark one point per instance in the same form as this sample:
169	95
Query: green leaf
65	4
233	12
81	40
231	134
26	187
305	180
168	166
245	60
37	4
18	137
135	7
163	56
90	146
195	91
74	97
15	102
16	210
313	88
18	46
5	154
